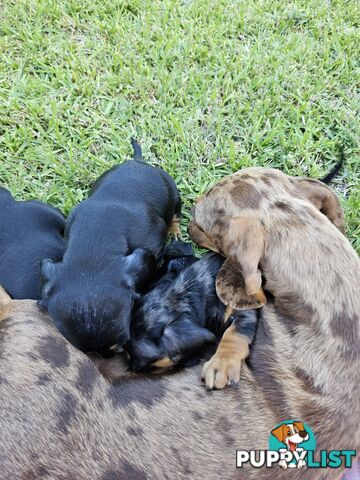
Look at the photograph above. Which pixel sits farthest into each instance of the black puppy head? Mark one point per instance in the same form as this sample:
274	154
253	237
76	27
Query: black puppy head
93	311
92	319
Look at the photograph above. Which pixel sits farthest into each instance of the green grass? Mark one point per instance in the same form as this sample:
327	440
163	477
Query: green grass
208	87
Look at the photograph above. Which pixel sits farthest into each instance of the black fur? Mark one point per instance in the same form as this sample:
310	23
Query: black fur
336	169
137	150
114	240
176	256
181	317
30	231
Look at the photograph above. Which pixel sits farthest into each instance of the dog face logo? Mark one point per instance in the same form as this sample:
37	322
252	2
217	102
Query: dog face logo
291	434
294	437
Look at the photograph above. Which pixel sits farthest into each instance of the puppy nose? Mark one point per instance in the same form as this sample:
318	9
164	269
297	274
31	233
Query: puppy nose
303	434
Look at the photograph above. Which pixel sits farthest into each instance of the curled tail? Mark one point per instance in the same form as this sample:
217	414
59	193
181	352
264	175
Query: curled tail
137	150
335	170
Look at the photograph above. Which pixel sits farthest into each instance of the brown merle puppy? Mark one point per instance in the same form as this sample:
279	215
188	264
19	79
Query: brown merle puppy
181	317
279	232
285	248
114	239
30	231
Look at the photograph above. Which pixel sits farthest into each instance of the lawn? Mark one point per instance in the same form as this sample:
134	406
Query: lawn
208	87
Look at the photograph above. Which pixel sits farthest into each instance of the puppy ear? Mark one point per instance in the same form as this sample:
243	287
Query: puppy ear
280	433
4	296
230	288
177	265
49	271
183	338
138	266
300	426
244	243
323	198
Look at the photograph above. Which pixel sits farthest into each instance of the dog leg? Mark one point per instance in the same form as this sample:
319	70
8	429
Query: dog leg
225	366
174	228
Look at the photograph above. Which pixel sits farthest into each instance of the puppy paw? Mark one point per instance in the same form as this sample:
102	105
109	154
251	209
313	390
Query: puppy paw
220	372
174	227
225	366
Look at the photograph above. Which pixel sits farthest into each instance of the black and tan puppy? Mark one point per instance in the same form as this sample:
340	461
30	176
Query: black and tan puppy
114	239
181	317
30	231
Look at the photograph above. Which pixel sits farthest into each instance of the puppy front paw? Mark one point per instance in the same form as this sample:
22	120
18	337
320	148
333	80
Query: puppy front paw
219	372
174	227
225	366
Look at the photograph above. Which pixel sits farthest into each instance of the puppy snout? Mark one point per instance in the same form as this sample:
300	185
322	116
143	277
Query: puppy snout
303	434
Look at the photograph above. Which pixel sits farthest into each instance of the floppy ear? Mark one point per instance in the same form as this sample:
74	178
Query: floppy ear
138	266
4	296
243	244
184	337
177	265
280	433
49	271
323	198
230	288
300	426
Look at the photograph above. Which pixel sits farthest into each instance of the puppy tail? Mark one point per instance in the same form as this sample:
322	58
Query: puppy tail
137	150
336	169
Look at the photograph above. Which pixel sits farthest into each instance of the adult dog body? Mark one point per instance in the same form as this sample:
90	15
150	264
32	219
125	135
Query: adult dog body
60	419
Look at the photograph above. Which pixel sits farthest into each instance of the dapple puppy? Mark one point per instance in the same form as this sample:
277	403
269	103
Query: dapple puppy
279	230
181	316
114	239
285	250
29	232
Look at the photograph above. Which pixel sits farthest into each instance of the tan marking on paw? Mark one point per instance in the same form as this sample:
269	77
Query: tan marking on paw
225	366
174	228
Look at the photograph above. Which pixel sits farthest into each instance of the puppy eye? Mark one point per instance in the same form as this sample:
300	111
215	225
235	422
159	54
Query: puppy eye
289	433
